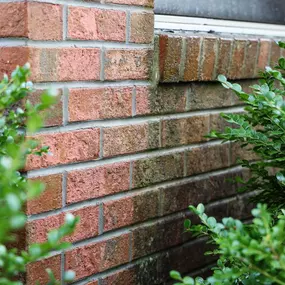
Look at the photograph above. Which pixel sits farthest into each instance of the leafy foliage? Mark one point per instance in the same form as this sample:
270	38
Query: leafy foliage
262	129
18	115
249	253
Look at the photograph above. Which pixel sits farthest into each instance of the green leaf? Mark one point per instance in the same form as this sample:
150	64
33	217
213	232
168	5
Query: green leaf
175	275
201	209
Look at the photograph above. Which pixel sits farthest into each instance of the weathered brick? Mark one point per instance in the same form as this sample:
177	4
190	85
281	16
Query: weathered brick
52	116
237	59
128	64
96	24
158	236
37	230
207	158
218	123
65	64
142	27
130	139
100	103
97	182
153	170
67	147
36	271
130	210
44	21
237	152
224	55
184	131
170	49
208	95
275	53
148	3
50	199
251	58
10	57
13	19
93	283
97	257
208	59
160	100
191	72
263	57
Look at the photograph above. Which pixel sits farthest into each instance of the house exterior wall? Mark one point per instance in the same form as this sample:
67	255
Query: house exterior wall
127	137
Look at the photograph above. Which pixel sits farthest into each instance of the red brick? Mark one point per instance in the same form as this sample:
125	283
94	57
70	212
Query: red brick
160	100
128	64
130	210
207	158
237	60
13	20
97	182
263	57
45	21
156	237
142	27
275	54
96	24
170	49
36	271
52	116
88	226
10	57
130	139
191	72
97	257
93	283
157	169
224	56
209	55
251	58
101	103
148	3
50	199
65	64
184	131
67	147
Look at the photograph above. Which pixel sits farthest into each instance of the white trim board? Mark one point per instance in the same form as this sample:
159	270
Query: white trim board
165	22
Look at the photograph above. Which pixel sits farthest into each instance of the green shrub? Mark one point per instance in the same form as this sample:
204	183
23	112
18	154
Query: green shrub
18	115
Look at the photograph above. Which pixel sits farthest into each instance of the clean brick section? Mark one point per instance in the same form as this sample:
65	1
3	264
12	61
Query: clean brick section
101	103
67	147
130	139
205	57
96	24
148	3
97	182
98	257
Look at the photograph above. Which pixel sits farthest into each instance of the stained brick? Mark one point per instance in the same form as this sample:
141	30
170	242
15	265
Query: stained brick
130	139
101	103
191	72
237	152
161	100
130	210
264	52
66	147
251	58
207	158
184	131
50	199
97	182
148	3
128	64
153	170
237	59
170	49
224	55
37	271
88	226
275	54
96	24
142	27
208	59
45	21
13	19
98	257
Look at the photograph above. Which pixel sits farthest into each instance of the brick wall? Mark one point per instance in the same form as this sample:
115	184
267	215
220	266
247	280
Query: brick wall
127	137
